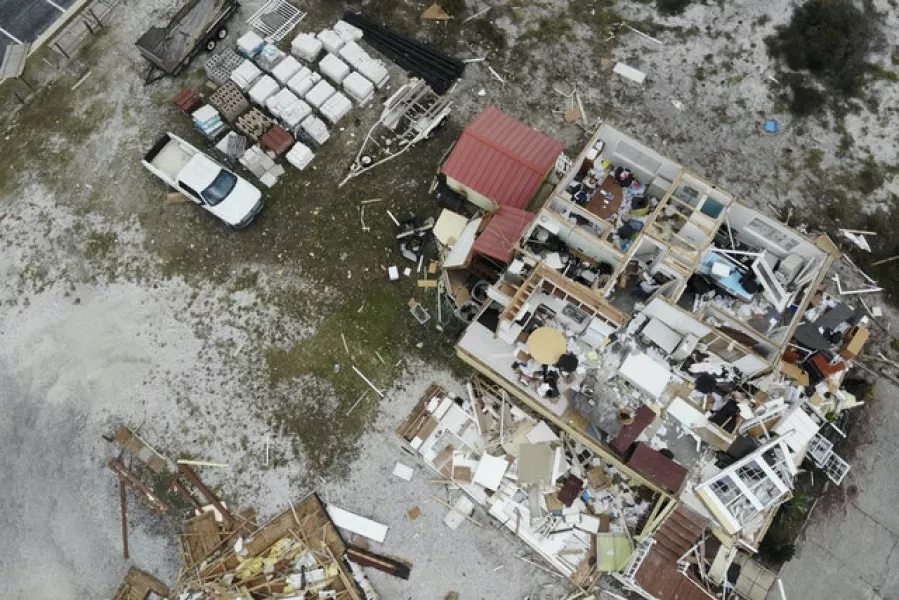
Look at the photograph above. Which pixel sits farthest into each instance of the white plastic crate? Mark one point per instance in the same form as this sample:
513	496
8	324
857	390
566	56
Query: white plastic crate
246	75
333	68
286	69
306	47
331	41
315	129
319	93
262	90
358	88
337	107
300	156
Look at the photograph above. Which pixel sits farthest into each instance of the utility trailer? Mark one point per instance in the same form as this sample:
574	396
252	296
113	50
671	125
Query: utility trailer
197	26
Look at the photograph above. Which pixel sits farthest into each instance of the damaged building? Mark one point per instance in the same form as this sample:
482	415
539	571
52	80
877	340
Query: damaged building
682	341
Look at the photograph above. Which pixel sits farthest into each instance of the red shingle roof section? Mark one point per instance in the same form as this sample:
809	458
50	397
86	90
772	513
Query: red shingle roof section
502	232
502	158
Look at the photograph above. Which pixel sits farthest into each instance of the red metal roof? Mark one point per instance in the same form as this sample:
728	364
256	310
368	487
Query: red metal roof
658	575
657	467
502	158
503	230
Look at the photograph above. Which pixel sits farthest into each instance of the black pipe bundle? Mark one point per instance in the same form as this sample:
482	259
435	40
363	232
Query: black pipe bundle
438	69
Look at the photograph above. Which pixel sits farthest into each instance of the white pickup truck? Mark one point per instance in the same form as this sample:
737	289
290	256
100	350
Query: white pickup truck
229	197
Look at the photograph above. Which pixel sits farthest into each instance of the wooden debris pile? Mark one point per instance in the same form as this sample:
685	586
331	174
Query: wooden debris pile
298	555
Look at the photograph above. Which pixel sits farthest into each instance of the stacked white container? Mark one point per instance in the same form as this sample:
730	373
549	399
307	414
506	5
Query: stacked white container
245	75
262	90
357	87
320	93
286	69
306	47
336	107
333	68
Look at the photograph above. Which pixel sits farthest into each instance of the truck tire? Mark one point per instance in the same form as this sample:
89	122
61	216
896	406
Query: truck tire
222	33
210	45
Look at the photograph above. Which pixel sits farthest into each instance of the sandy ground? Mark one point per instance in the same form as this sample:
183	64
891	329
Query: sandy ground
114	308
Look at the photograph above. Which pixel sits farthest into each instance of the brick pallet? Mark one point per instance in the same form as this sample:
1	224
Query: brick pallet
230	101
253	124
188	100
277	140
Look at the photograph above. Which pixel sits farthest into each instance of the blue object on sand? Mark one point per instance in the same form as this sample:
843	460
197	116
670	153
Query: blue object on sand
772	126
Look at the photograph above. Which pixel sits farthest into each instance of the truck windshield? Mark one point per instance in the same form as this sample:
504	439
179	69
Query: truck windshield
219	189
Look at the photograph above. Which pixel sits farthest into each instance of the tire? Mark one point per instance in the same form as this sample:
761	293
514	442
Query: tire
222	33
210	45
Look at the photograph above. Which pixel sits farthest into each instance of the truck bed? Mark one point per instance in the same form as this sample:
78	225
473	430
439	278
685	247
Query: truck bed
171	159
168	46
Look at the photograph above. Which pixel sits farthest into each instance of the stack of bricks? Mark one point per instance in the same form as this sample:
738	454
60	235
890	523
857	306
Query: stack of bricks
230	101
254	124
277	140
188	100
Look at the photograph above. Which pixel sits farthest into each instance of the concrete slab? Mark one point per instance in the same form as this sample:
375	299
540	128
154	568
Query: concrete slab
815	573
856	540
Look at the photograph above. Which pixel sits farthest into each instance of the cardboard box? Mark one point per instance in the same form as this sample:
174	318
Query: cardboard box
857	341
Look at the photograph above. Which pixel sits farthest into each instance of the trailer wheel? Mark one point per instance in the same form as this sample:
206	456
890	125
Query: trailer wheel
210	45
222	33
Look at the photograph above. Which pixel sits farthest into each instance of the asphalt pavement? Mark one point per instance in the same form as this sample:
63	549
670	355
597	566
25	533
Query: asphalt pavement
23	21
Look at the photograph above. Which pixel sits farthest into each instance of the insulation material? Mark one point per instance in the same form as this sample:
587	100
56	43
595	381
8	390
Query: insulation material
336	107
306	47
358	88
286	69
262	90
333	68
331	41
348	32
280	102
294	114
303	81
365	527
250	44
319	94
246	75
300	156
315	130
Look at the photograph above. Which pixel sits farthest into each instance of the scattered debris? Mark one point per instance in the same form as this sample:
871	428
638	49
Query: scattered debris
435	13
476	15
366	380
772	126
363	526
859	238
630	73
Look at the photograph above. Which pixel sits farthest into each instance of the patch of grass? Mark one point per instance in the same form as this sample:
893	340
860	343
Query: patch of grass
379	337
100	244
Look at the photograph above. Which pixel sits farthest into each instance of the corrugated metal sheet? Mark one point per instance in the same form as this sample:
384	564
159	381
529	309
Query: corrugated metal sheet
658	575
502	233
502	158
658	468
